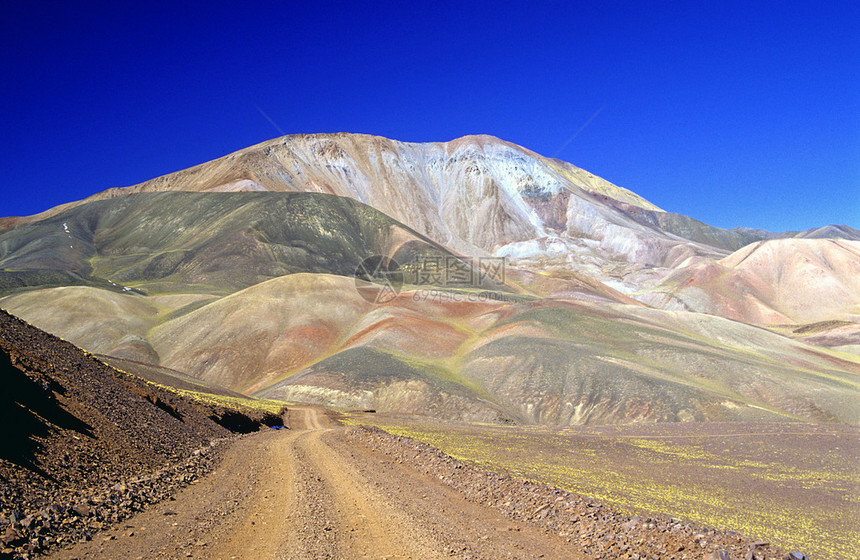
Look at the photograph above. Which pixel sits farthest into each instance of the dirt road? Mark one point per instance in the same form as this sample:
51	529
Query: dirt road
306	493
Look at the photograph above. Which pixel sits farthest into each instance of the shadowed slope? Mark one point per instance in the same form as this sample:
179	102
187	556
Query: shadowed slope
76	421
213	243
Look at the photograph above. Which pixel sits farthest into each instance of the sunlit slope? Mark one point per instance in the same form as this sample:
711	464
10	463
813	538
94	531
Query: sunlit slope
253	337
584	363
782	281
423	185
248	282
557	362
312	337
476	195
100	321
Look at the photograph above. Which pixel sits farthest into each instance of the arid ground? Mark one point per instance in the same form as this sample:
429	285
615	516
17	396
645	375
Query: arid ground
325	490
794	484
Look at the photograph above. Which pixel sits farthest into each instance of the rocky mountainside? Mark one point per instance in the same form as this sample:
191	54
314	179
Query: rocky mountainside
476	195
241	272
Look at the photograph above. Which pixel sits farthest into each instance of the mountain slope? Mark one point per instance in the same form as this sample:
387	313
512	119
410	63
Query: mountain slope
84	445
475	195
558	362
204	242
772	282
313	338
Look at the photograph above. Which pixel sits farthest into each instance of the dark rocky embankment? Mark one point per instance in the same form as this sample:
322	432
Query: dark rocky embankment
84	445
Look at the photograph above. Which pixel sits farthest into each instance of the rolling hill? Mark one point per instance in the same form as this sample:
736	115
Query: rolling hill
775	282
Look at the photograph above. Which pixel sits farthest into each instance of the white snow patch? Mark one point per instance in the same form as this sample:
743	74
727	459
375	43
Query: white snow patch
550	246
520	249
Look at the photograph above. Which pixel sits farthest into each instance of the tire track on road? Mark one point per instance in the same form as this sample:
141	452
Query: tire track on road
306	493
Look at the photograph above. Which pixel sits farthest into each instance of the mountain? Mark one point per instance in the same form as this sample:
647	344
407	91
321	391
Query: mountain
474	195
313	338
251	272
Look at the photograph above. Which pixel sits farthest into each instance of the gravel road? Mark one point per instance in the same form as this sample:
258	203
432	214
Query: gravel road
307	492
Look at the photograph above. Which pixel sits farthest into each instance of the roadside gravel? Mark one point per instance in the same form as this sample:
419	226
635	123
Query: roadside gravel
591	528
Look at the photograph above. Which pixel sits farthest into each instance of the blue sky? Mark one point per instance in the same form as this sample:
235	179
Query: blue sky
737	114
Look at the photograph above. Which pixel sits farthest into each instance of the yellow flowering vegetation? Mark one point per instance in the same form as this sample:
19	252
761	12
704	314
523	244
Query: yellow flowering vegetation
754	484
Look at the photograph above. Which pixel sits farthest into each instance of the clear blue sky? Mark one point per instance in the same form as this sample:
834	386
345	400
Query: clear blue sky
735	113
